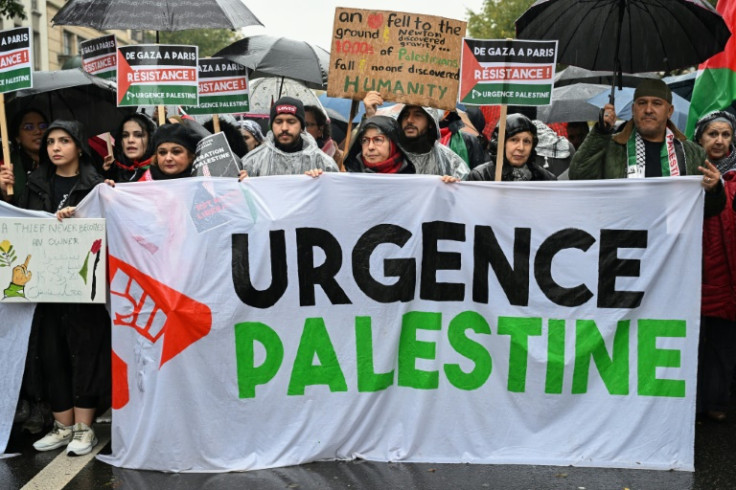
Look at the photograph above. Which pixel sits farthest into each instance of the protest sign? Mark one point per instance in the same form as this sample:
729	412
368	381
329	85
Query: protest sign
223	88
43	260
157	74
423	331
15	59
505	71
99	56
215	158
411	58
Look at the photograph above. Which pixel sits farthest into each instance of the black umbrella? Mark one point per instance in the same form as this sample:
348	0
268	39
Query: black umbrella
631	36
281	57
156	15
71	94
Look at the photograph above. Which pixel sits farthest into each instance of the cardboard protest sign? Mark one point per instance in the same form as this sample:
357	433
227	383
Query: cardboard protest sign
99	56
43	260
215	158
157	74
411	58
223	88
15	59
504	71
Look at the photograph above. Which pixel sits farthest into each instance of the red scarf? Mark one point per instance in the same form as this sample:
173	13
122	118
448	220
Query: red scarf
391	165
136	164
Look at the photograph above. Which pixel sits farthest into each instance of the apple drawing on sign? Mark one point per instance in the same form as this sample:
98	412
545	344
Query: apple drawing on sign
375	21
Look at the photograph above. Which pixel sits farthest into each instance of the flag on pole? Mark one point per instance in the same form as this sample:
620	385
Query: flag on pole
715	85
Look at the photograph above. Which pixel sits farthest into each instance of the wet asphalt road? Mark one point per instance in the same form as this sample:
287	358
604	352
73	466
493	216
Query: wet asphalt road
715	463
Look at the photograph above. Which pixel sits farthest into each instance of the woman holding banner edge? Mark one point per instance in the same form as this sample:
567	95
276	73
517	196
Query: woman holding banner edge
74	339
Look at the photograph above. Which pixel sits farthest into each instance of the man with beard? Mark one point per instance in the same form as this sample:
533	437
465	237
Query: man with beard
419	139
287	149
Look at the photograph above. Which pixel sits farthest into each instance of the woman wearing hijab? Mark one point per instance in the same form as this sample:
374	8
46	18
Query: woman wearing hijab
518	154
252	133
74	339
133	149
375	149
717	348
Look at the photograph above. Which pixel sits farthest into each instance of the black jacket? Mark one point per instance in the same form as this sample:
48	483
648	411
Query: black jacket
117	171
37	194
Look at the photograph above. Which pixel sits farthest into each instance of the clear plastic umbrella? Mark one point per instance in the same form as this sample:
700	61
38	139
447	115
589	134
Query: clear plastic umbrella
265	91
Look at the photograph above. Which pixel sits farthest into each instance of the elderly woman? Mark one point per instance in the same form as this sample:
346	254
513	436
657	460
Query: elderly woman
375	149
717	356
518	154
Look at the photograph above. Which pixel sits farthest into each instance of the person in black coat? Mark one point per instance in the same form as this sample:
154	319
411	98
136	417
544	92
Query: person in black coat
133	149
519	155
73	339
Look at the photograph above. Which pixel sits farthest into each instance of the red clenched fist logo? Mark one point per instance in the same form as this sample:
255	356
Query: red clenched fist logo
155	311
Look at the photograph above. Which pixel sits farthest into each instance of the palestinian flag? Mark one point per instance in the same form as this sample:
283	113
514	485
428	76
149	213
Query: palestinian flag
715	86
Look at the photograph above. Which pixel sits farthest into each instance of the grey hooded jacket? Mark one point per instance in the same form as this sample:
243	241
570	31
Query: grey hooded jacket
266	159
440	160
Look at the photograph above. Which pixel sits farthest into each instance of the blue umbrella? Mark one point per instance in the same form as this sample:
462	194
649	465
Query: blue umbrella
625	97
339	109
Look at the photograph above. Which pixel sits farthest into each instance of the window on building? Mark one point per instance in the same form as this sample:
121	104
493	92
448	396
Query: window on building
36	50
68	43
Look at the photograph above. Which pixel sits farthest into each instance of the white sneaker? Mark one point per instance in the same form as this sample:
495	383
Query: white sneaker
60	435
83	441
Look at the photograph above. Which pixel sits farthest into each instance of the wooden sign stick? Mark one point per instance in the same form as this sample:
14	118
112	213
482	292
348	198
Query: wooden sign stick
353	111
4	136
501	142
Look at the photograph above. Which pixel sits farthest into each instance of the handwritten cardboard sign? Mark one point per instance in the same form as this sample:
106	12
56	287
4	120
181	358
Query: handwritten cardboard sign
223	87
43	260
15	59
157	74
410	58
99	56
505	71
215	158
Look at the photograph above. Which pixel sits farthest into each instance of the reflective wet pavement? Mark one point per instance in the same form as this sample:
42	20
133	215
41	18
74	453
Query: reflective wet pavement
715	463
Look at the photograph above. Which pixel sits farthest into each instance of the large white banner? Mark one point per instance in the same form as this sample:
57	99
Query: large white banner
284	320
15	328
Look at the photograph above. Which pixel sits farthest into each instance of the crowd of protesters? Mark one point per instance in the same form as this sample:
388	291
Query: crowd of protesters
67	380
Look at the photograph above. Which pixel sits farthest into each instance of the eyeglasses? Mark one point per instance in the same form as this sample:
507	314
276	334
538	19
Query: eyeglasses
377	140
30	126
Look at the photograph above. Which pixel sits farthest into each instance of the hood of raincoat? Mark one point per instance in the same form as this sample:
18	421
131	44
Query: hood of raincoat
76	131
